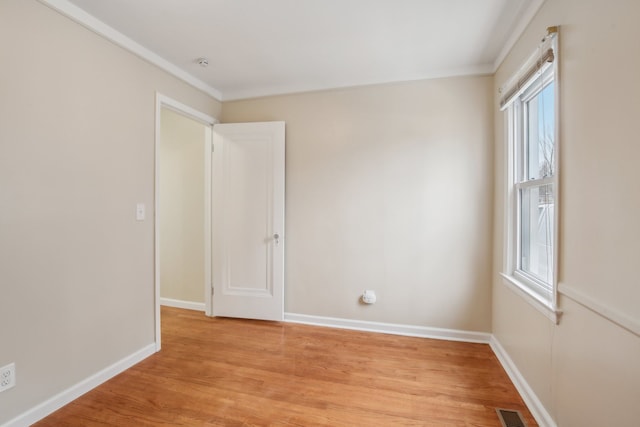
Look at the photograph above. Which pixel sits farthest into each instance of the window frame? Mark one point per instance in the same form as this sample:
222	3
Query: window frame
542	295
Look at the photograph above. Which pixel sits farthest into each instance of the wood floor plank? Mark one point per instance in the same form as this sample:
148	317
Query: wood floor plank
232	372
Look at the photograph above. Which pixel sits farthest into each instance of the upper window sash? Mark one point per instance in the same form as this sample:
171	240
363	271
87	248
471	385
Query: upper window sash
535	85
540	60
520	110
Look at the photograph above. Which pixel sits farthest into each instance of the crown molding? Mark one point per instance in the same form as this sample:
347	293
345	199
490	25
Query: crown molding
283	90
78	15
88	21
518	29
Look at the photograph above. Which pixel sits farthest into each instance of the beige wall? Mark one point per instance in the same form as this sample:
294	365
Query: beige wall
388	188
585	370
181	207
77	119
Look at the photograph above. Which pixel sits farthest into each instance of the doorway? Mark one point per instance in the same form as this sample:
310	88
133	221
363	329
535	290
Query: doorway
248	220
182	208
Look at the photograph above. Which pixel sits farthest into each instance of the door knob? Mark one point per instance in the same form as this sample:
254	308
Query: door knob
276	237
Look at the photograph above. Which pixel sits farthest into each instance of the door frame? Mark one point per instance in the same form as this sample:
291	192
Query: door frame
163	101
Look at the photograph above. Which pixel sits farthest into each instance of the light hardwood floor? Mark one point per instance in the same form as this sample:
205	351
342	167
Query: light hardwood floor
230	372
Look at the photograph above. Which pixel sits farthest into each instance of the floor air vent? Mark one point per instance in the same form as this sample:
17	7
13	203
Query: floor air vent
510	418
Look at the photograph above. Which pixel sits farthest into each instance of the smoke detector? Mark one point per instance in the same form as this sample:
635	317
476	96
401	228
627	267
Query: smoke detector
204	62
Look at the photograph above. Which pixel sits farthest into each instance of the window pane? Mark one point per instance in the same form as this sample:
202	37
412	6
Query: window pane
541	133
536	219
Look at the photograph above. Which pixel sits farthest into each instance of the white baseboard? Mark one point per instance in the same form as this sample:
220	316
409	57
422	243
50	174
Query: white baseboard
390	328
58	401
534	404
538	411
188	305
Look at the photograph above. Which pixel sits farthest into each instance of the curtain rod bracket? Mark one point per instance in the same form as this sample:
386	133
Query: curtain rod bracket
551	32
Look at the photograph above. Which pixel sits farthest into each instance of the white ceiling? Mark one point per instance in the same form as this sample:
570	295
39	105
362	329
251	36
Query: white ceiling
266	47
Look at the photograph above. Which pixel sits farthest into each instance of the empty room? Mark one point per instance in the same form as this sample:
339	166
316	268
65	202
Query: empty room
319	213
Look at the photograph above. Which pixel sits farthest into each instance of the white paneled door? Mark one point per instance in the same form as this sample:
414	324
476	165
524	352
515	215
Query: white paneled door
248	220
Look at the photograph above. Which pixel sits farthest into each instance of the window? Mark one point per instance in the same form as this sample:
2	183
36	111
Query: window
531	106
534	185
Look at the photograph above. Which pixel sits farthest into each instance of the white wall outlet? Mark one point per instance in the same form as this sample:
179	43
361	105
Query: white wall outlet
369	297
7	377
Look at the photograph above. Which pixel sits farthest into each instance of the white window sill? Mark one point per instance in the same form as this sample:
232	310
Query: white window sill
547	308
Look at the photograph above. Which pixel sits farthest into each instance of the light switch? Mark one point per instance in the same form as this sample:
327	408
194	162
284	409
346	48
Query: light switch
140	212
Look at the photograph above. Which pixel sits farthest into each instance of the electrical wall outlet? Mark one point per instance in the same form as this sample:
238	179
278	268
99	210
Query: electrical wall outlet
369	297
7	377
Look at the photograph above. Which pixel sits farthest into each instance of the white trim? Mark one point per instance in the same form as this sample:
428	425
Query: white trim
61	399
241	94
163	101
611	314
187	305
537	409
536	301
83	18
557	188
535	182
208	241
390	328
156	221
90	22
518	30
185	110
